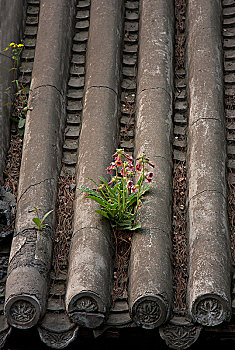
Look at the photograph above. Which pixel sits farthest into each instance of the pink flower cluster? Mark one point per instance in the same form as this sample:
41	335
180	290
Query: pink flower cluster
123	163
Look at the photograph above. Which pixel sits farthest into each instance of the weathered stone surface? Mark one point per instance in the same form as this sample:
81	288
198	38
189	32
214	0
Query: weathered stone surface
54	304
156	46
81	36
30	258
205	87
51	62
76	82
229	21
207	157
106	31
82	24
26	296
79	48
228	2
99	108
90	274
209	259
89	284
179	333
131	27
119	320
83	4
24	310
41	155
150	284
227	33
229	78
154	121
11	28
209	248
132	5
83	14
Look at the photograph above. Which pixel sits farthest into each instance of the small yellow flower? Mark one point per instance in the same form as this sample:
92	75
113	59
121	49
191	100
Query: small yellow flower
6	49
21	45
12	44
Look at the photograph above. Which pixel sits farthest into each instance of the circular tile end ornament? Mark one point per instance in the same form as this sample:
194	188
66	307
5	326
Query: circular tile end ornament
149	311
22	311
210	310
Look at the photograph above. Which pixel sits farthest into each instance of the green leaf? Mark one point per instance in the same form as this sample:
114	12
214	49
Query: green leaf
93	181
110	189
131	201
35	209
146	202
103	180
46	215
43	226
21	90
144	189
21	123
126	223
136	226
101	212
113	206
37	221
89	191
21	132
98	200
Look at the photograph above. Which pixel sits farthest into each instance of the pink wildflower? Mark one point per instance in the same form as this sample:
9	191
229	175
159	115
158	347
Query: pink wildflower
129	169
130	166
133	189
118	161
129	184
150	175
138	167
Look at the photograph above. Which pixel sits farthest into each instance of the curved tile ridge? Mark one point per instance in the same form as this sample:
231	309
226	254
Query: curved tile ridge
89	284
209	297
150	275
30	258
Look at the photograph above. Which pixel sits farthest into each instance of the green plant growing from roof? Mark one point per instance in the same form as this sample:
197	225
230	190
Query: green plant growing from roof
20	98
120	199
39	223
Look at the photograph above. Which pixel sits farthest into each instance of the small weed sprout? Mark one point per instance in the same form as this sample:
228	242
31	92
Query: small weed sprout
37	221
120	198
20	98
